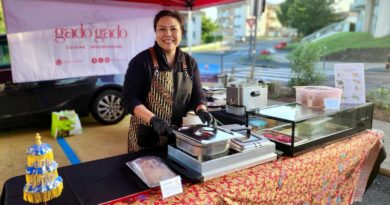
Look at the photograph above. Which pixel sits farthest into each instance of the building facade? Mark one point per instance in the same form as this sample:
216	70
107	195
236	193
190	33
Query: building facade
372	16
196	34
270	25
232	19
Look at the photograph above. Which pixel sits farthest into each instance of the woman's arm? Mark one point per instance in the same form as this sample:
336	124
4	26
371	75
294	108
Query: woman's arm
199	107
143	113
135	88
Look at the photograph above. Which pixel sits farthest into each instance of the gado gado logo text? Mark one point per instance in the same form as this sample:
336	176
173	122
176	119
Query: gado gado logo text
96	34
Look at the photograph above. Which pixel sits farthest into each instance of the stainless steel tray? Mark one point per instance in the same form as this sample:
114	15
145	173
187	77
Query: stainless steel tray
204	147
253	142
204	151
200	140
224	165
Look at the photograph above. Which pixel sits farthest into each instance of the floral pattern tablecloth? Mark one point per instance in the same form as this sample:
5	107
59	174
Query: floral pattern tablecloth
326	175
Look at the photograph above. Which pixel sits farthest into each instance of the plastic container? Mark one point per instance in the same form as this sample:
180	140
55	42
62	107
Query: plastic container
151	170
313	96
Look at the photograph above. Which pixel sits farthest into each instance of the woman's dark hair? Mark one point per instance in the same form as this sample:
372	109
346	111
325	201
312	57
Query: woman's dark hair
171	13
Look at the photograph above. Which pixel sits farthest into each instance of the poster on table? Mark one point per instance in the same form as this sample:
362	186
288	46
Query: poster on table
350	78
53	39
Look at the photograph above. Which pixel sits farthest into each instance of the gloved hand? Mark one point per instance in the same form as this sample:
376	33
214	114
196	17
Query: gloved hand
160	126
205	116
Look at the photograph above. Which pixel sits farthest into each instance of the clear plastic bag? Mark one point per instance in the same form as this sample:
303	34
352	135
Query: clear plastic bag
151	170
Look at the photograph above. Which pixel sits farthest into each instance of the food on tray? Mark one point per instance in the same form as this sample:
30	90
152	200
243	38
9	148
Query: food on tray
151	170
279	137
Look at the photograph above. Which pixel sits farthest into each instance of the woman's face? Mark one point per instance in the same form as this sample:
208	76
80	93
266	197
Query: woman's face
168	33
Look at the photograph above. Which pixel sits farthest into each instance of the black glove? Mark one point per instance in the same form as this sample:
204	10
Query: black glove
205	116
160	126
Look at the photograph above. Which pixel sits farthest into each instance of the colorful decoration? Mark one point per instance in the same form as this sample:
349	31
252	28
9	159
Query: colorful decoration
42	180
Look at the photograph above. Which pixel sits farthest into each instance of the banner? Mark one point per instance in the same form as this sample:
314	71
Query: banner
51	39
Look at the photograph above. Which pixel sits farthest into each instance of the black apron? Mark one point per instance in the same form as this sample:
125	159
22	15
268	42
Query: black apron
168	98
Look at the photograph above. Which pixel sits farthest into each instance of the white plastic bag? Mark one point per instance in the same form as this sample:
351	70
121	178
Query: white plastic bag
65	123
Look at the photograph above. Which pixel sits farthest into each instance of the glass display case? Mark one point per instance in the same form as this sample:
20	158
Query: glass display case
297	128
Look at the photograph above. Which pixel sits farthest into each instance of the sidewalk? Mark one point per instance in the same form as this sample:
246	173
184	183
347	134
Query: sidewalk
385	127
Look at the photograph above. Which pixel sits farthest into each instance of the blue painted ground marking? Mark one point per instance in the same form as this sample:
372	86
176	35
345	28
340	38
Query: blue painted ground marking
72	157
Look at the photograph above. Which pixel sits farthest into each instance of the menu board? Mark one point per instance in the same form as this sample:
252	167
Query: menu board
350	78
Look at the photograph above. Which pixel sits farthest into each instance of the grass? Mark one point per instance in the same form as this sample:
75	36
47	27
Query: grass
345	40
293	45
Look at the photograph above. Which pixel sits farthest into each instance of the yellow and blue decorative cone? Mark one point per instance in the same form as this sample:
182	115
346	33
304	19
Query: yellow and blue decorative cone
42	180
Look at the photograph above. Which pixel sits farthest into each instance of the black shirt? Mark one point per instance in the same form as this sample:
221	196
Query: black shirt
139	75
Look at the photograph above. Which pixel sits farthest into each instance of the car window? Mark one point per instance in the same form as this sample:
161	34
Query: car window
4	54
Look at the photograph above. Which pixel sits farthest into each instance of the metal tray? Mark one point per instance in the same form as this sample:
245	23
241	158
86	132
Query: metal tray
202	152
215	141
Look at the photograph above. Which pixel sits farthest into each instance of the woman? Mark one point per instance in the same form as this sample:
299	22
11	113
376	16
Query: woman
161	85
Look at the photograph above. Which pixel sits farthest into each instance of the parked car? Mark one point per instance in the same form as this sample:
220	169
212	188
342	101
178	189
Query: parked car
32	102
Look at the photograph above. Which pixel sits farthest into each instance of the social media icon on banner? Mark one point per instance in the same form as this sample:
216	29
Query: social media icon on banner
58	61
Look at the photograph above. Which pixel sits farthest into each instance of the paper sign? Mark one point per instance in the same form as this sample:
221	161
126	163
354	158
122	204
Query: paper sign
350	78
331	103
171	187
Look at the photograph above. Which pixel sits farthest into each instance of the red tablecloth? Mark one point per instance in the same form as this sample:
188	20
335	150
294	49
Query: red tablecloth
333	174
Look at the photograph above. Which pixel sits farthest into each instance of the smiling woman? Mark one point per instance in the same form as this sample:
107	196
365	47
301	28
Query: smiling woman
162	84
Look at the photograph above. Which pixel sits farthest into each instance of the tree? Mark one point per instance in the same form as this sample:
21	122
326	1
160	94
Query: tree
282	14
2	22
208	27
303	61
307	16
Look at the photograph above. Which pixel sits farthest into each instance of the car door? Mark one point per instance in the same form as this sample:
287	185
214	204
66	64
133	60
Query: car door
54	95
14	97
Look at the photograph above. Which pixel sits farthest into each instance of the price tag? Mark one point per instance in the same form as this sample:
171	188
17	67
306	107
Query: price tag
331	103
171	187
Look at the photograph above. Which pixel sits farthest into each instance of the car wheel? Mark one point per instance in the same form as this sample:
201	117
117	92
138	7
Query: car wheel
106	107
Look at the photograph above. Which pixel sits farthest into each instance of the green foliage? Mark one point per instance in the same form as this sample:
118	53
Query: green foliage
307	16
282	14
303	60
3	29
208	30
345	40
380	97
293	45
266	58
210	39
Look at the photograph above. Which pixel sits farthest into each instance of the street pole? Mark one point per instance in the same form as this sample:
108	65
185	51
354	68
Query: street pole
222	52
253	50
250	44
189	33
255	14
